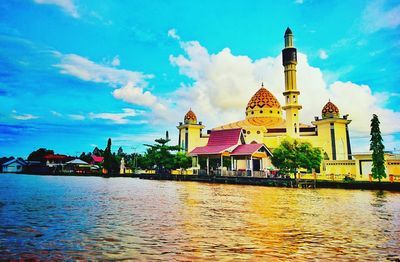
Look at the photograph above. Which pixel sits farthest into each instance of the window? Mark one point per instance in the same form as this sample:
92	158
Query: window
261	111
258	132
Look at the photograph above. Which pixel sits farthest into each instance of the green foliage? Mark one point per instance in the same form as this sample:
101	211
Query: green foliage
181	160
107	164
39	154
159	155
98	152
377	147
120	151
86	157
293	154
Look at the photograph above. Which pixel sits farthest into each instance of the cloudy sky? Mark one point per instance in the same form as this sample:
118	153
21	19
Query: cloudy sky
75	72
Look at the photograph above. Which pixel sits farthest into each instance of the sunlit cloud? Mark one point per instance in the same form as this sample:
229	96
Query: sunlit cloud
67	5
76	117
217	76
323	54
117	118
377	16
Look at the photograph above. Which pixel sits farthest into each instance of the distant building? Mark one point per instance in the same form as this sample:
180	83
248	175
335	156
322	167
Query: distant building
96	160
14	166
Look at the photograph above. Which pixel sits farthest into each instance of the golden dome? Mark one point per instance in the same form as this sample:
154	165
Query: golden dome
330	110
190	117
263	104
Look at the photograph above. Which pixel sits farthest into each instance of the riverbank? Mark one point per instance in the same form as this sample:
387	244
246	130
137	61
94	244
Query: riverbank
76	174
274	182
257	181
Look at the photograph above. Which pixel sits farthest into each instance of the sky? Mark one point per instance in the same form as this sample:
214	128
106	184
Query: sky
74	73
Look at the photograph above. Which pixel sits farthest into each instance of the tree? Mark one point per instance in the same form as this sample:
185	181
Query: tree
97	151
86	157
107	162
377	147
120	151
160	155
293	154
39	155
181	160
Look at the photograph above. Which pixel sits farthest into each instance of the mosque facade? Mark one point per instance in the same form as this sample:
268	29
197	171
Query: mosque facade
265	126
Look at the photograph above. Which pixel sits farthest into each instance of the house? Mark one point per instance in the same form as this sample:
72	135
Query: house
96	160
15	165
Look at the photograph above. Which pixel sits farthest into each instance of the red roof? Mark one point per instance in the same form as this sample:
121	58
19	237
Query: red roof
56	156
97	159
224	137
219	141
248	149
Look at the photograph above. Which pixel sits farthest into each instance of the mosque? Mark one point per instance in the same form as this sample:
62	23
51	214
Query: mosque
249	142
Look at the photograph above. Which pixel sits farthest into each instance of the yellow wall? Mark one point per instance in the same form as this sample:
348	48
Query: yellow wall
194	138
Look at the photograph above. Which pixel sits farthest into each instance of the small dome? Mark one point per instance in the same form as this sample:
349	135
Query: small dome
263	104
190	117
330	110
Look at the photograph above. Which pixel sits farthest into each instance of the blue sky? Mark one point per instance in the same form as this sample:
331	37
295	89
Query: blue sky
73	73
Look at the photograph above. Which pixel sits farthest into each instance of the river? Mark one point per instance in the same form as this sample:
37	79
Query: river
69	218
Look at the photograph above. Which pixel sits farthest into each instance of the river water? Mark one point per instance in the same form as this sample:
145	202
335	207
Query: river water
68	218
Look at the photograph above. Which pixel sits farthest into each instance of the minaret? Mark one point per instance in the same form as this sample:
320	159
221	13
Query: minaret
292	107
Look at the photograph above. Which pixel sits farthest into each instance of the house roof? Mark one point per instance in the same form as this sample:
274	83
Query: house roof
209	150
97	159
20	161
248	149
77	162
219	141
55	156
228	137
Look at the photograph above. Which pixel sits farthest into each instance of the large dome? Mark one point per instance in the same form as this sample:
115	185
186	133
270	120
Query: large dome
263	104
190	117
330	110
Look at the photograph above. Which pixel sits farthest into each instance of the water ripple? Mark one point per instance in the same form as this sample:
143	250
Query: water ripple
75	218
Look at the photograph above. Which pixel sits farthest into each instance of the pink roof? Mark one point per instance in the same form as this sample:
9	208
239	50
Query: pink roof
97	159
224	137
209	150
246	149
219	141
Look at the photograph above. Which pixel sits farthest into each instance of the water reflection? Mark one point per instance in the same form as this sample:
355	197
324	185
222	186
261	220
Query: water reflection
94	218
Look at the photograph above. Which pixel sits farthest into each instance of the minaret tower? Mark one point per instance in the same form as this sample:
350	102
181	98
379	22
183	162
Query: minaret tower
291	94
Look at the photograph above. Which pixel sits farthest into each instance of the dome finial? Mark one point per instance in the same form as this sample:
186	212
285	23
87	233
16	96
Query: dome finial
330	110
288	31
190	117
262	84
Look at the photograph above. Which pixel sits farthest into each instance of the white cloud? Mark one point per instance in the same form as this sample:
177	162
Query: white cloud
375	16
172	33
116	61
299	2
67	5
223	83
322	54
77	117
134	95
23	116
118	118
130	84
87	70
55	113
